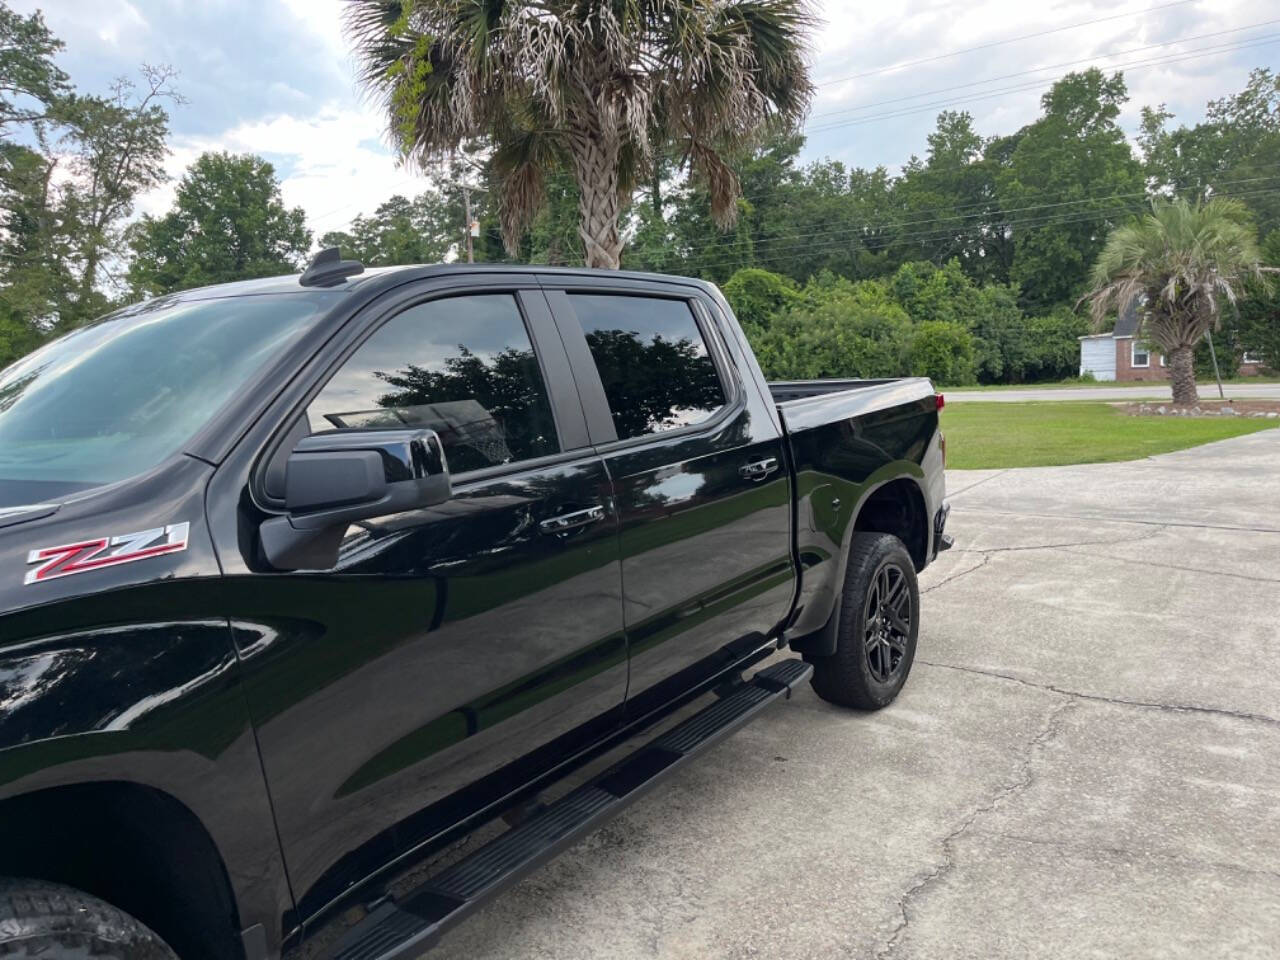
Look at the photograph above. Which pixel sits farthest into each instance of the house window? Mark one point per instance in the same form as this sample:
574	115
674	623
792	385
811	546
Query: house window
1140	356
1251	356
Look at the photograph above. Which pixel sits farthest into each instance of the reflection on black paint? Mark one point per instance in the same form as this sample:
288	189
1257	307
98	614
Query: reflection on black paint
114	678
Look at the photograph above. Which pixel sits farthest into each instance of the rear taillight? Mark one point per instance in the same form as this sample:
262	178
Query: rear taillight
940	400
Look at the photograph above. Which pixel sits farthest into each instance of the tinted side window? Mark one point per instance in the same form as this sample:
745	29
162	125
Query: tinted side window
463	367
653	361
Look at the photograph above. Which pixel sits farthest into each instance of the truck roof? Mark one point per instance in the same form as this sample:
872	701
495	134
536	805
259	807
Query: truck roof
392	276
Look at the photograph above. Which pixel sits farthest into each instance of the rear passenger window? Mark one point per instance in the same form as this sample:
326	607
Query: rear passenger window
464	367
653	361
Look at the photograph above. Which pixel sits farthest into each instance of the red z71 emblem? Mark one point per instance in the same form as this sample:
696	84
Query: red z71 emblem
106	552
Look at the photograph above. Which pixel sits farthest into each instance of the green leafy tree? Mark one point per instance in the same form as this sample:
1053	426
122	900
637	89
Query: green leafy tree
1077	159
117	146
228	222
1185	259
757	296
837	328
1256	321
941	351
1232	151
33	274
947	203
32	86
422	230
597	88
1001	346
1053	345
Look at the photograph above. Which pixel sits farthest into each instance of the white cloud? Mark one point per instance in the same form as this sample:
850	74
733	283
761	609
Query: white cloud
859	38
332	164
295	99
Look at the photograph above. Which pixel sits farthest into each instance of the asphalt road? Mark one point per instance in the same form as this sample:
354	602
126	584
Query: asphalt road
1208	391
1084	763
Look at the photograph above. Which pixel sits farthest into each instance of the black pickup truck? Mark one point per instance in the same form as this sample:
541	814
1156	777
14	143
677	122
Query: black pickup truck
304	579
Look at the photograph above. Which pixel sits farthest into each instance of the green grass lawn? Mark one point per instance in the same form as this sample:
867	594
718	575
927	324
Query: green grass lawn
1208	388
998	435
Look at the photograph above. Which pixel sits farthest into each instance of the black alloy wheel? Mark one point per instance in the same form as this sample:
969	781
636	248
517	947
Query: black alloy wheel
887	622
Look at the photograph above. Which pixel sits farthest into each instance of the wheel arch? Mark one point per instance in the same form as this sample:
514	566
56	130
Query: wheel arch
135	847
896	505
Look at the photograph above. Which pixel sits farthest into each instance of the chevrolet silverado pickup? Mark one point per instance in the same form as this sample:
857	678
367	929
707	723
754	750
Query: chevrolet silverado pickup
304	579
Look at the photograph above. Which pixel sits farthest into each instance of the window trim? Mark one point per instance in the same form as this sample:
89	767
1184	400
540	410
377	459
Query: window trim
358	328
1133	356
595	401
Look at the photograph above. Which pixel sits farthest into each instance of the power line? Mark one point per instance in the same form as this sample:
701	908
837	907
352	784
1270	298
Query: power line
960	211
992	231
839	241
1001	212
1139	64
1000	43
1052	66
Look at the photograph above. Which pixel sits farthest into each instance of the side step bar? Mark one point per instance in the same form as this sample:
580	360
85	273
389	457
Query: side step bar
404	928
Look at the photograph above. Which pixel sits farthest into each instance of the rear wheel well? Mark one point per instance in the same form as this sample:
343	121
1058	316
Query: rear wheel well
898	508
134	847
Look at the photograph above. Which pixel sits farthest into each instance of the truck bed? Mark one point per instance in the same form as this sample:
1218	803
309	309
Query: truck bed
785	391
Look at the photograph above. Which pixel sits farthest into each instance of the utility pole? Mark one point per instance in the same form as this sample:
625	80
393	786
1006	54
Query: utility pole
1213	354
466	200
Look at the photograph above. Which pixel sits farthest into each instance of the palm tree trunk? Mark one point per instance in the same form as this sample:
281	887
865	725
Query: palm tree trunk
595	166
1183	374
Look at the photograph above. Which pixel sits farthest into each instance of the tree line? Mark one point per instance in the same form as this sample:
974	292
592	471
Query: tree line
966	265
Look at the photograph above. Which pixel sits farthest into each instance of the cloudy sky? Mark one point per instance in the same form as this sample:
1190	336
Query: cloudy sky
274	76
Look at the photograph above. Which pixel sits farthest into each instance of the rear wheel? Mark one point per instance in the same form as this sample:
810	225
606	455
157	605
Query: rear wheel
879	622
48	920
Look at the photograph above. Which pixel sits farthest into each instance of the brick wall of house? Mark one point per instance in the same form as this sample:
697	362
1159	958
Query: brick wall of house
1125	370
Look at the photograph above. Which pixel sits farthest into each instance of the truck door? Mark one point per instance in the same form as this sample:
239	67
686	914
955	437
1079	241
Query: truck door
698	472
454	652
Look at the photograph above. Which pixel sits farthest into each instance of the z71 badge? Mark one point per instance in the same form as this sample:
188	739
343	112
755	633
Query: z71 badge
106	552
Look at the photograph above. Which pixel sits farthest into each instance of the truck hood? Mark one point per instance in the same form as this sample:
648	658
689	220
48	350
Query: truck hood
108	538
11	516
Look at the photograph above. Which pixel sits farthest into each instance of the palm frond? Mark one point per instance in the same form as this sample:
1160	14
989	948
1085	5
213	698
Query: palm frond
1184	259
623	79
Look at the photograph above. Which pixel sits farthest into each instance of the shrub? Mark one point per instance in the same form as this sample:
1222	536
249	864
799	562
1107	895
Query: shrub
943	352
758	296
1054	345
836	328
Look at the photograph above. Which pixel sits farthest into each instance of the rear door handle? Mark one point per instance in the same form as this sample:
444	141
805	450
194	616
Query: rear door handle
571	521
759	469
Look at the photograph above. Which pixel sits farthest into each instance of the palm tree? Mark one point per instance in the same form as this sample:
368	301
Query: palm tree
1180	261
599	86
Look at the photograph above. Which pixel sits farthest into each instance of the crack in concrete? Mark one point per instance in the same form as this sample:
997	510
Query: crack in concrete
951	495
1173	566
987	552
1071	543
986	558
1125	853
1145	523
1023	779
1099	698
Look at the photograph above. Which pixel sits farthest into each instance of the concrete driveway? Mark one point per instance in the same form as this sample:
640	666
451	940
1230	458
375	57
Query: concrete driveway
1085	762
1161	391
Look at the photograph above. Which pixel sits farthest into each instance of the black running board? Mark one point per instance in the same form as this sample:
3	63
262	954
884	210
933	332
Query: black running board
406	927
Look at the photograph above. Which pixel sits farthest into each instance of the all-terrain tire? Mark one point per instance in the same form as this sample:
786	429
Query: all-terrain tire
53	922
873	653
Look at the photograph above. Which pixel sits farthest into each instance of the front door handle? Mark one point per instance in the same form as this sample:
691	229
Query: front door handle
759	469
571	521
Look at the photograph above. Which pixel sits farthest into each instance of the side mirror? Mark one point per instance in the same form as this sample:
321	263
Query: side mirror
335	479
